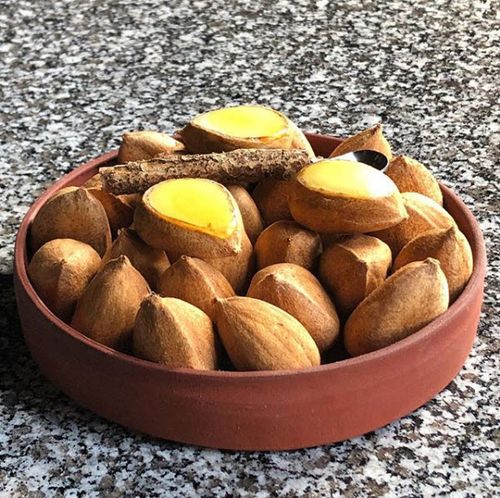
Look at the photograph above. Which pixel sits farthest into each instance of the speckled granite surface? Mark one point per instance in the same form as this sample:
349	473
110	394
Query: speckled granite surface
74	75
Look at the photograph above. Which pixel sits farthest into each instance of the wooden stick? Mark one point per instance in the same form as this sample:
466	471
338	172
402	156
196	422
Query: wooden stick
237	166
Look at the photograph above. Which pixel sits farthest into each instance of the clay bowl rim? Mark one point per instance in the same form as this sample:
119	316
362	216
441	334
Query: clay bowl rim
408	343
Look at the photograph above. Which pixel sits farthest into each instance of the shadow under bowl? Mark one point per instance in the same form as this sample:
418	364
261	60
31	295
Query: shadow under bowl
252	410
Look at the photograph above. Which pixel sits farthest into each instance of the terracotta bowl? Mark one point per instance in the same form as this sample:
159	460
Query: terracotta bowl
252	410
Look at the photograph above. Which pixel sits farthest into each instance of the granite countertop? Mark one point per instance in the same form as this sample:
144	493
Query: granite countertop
75	75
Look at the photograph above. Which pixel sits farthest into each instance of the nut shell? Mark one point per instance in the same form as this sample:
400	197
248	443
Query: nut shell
369	139
174	333
72	213
60	271
288	242
151	263
252	220
195	282
260	336
407	301
450	247
238	268
107	309
141	145
298	292
423	214
352	267
271	197
411	176
119	212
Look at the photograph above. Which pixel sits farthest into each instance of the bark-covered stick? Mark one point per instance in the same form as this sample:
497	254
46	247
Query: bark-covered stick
237	166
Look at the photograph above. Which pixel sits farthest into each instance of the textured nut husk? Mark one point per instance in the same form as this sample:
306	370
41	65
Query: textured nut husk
260	336
252	220
287	242
344	214
174	333
178	240
200	140
195	282
407	301
353	267
411	176
271	197
298	292
60	271
107	309
150	262
141	145
450	247
369	139
120	213
72	213
237	268
423	214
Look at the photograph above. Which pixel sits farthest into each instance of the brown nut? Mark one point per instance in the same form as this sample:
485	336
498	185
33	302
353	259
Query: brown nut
260	336
406	302
107	309
450	247
298	292
174	333
60	272
287	242
352	267
195	282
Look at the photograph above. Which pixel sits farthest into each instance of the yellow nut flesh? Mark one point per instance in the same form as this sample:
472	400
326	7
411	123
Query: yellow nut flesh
346	178
195	203
339	196
246	121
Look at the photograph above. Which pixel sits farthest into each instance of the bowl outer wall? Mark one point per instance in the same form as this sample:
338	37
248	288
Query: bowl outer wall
252	410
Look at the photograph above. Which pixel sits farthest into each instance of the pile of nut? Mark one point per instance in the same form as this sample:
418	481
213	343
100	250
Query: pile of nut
234	241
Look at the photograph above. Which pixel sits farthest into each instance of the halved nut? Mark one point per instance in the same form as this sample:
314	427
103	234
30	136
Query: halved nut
339	196
240	127
190	216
